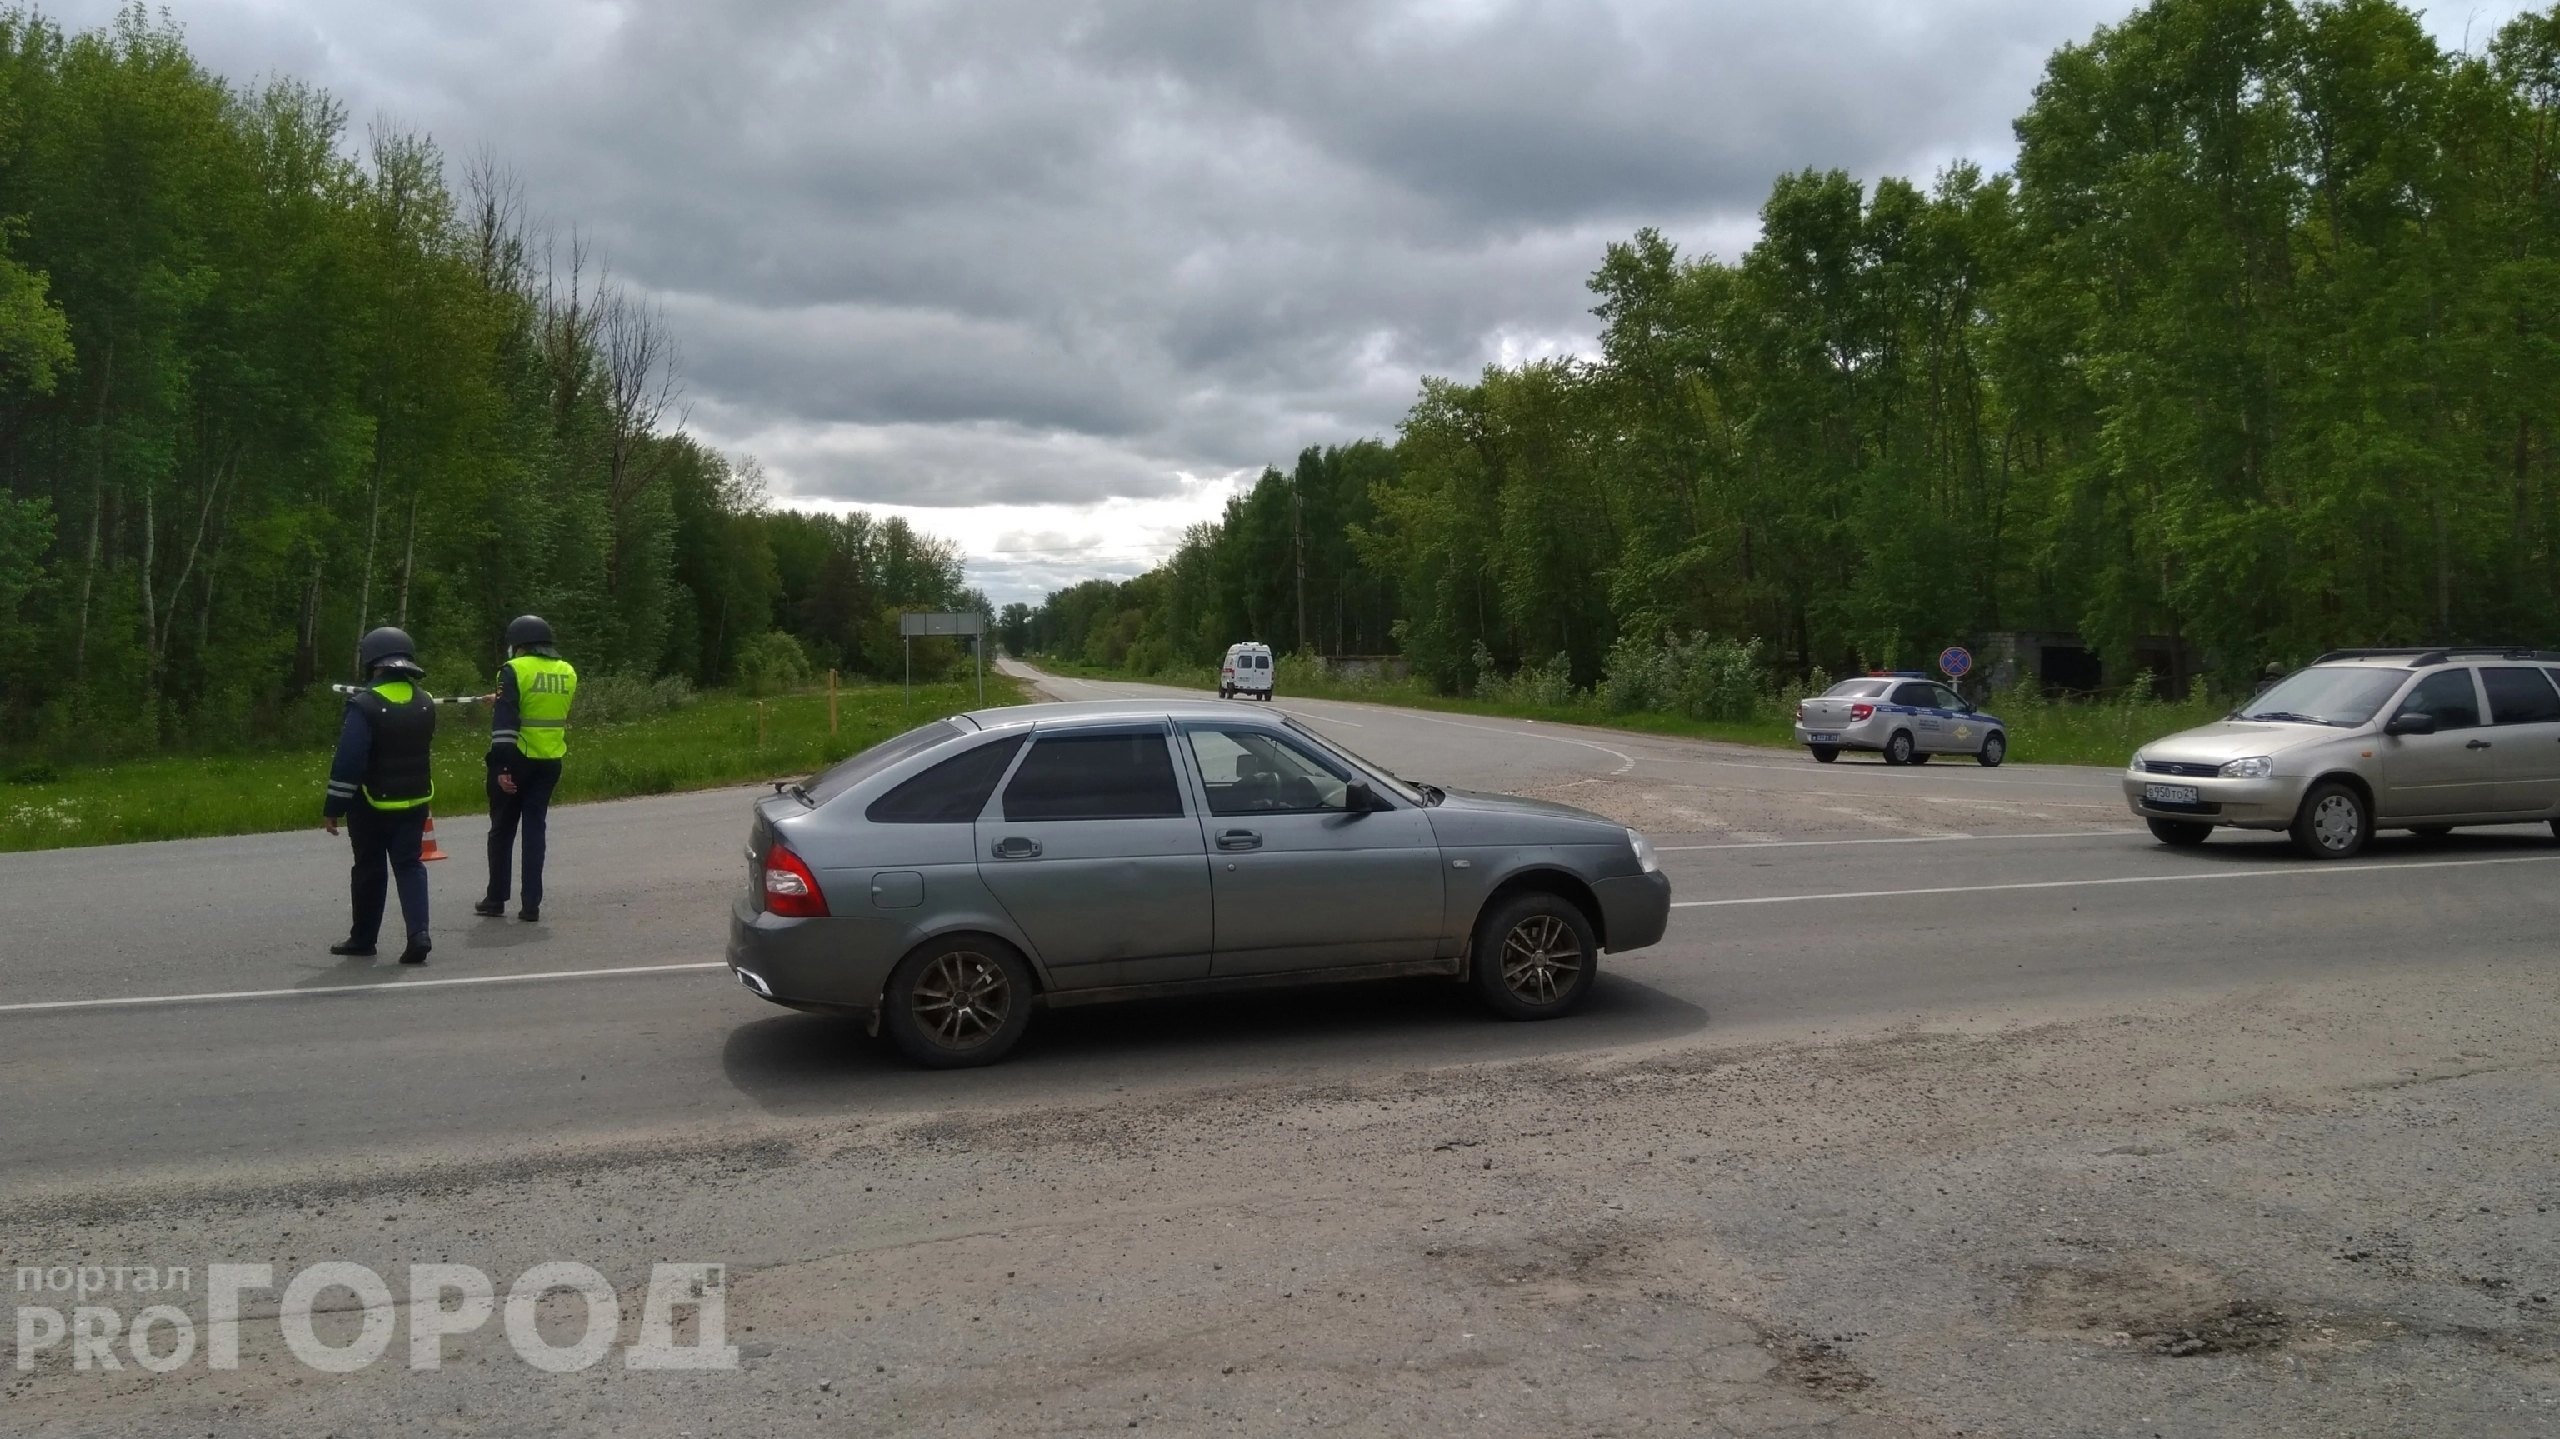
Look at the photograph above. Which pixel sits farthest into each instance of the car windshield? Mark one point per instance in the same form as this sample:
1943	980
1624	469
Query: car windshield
1403	790
1855	689
846	773
2341	695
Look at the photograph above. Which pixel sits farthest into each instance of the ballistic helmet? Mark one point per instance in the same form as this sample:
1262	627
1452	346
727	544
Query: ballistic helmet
387	648
529	632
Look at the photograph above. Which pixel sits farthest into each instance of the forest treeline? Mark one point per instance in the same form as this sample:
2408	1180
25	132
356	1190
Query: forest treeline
265	383
2255	352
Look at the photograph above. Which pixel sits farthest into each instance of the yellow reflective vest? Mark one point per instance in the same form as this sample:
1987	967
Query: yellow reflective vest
544	689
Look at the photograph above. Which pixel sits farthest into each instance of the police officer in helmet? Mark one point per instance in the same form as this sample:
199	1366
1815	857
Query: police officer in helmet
379	784
528	738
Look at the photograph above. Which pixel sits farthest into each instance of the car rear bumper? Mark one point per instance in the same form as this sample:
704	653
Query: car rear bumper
1634	909
2242	803
829	965
1865	735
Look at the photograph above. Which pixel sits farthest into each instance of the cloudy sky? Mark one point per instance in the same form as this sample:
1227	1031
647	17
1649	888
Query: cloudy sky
1052	277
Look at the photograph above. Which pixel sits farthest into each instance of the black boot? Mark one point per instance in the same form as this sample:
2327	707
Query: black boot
490	909
349	949
416	953
530	914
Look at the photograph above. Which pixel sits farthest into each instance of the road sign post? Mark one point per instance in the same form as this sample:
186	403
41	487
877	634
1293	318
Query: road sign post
1955	662
966	624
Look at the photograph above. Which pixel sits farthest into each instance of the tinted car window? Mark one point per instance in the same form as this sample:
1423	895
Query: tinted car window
1104	776
1948	699
1917	695
2446	694
1855	690
952	792
2520	694
847	773
1253	771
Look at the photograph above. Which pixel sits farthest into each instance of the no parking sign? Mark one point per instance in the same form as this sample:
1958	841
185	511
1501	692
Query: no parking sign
1955	661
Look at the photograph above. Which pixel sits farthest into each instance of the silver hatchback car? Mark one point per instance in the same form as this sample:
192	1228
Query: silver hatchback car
944	884
2415	739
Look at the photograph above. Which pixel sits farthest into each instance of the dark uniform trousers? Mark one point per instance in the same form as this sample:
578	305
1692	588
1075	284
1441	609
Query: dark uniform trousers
386	849
529	809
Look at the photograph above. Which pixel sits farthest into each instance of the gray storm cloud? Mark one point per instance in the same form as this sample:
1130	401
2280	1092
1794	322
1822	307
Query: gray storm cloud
1052	251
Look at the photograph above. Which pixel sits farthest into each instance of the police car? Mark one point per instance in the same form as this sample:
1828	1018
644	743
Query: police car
1904	716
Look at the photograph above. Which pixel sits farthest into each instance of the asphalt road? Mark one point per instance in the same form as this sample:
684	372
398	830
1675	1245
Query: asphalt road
1951	1103
1809	896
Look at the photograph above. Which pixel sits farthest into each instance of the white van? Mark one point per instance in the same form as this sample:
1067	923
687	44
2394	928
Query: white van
1246	671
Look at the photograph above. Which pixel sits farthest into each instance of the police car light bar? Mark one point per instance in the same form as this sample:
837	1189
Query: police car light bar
1897	674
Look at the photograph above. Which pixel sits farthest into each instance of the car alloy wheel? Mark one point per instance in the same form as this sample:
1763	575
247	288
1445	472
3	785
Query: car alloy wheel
1540	959
1899	750
1534	956
961	1000
957	1001
1995	748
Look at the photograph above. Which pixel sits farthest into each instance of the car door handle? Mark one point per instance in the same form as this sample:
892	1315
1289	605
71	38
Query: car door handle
1239	839
1016	847
2477	744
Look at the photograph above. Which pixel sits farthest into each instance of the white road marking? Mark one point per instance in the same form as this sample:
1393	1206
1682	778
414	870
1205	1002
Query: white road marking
385	987
1916	772
1625	761
2311	869
2006	806
1886	822
1900	839
1950	799
1702	820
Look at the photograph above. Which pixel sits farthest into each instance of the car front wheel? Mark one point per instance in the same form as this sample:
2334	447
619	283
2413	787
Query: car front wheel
1995	748
2183	833
2333	823
957	1002
1535	956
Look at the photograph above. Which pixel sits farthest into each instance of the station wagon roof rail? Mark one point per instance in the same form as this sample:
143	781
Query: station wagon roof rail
2419	657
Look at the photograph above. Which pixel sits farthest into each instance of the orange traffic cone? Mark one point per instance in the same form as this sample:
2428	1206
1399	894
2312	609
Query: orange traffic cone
427	842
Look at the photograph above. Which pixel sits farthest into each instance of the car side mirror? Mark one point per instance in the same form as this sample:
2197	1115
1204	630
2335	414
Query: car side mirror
1358	798
2411	722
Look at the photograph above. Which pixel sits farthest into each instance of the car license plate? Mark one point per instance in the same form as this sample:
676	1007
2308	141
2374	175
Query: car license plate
1822	739
2171	793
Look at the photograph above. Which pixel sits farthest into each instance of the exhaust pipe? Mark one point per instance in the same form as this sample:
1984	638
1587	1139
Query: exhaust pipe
755	981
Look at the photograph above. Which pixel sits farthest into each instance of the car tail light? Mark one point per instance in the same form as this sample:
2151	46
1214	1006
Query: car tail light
1859	712
1799	714
790	890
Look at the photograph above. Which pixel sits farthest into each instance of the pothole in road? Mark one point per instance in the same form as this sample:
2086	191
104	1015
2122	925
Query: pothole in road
2167	1307
1819	1366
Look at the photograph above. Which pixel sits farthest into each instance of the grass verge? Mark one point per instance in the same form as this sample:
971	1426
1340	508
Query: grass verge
708	742
2041	731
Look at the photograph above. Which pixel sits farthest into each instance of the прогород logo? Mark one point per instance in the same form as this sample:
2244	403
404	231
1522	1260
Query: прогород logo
102	1317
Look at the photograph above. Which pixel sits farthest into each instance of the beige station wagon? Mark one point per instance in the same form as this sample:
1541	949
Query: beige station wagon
2415	739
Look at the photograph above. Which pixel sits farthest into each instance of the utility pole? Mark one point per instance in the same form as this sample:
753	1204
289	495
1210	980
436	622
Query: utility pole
1298	532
